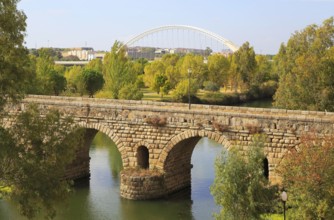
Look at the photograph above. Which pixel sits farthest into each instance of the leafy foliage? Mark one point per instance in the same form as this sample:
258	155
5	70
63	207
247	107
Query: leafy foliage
245	64
14	60
93	81
181	91
117	70
130	91
58	82
308	175
240	186
74	80
305	67
95	64
218	67
33	161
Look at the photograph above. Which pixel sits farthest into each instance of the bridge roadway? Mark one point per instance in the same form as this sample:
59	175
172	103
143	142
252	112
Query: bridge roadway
160	137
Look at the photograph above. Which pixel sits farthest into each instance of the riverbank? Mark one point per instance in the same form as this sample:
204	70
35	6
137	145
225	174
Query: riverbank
249	99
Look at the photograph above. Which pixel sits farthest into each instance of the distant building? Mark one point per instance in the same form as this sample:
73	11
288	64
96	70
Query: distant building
83	53
99	55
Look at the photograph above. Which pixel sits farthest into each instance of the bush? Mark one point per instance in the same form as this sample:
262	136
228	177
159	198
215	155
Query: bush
221	99
240	187
211	86
130	92
308	176
156	121
220	127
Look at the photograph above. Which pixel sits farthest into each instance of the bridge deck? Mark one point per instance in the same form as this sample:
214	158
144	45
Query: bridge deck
267	113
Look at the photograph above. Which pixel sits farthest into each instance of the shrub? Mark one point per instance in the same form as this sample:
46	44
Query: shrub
211	86
156	121
253	129
219	126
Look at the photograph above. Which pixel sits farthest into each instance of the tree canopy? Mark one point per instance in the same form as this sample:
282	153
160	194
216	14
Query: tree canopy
34	160
93	81
118	72
240	187
13	55
308	176
306	67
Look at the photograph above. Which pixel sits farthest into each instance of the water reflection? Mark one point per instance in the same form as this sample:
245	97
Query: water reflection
99	197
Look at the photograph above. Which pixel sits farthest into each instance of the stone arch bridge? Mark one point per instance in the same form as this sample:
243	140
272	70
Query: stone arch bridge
160	137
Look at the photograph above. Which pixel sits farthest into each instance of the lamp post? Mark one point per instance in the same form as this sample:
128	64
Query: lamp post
284	197
189	74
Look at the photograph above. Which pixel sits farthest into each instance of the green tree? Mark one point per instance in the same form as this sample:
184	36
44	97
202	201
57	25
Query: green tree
245	64
263	84
53	53
70	58
156	68
198	69
74	80
130	91
118	71
263	71
240	186
34	160
172	70
32	82
95	64
161	84
181	91
14	62
44	70
218	66
305	67
93	81
308	176
139	65
57	82
234	76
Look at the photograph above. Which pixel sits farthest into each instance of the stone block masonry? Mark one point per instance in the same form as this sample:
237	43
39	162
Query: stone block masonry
165	134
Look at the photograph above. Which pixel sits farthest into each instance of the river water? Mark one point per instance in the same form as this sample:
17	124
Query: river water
99	197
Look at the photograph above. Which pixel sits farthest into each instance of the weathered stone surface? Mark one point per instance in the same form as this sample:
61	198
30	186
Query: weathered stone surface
170	145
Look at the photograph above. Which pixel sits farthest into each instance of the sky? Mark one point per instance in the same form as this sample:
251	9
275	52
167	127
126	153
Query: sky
265	24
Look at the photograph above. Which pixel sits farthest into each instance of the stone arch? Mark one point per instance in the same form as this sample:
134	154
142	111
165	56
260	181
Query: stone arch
175	159
215	136
143	157
149	148
114	137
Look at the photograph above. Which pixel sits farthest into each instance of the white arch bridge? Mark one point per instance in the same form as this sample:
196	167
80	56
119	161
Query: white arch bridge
203	37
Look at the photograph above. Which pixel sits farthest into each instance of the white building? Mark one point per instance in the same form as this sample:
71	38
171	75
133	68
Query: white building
83	53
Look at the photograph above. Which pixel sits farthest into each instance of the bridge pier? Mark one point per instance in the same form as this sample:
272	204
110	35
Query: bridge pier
140	184
79	168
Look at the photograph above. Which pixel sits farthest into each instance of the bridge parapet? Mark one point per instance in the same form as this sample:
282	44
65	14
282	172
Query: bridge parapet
269	113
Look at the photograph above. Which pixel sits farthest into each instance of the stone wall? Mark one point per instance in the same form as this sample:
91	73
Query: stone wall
170	144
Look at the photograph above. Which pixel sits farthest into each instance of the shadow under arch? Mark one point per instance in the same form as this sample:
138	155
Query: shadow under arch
175	160
79	168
